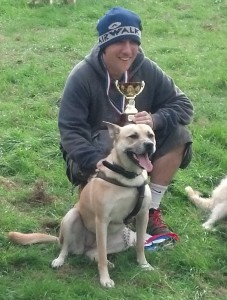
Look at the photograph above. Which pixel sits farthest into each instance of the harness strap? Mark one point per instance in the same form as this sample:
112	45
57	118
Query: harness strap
141	190
137	208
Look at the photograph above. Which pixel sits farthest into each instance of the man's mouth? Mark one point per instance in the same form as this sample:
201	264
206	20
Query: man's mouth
125	58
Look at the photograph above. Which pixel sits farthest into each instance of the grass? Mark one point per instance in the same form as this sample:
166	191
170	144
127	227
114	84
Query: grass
38	47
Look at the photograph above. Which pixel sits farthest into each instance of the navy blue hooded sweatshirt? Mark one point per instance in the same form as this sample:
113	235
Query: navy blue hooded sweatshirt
86	103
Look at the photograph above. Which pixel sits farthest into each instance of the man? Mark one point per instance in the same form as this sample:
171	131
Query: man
90	97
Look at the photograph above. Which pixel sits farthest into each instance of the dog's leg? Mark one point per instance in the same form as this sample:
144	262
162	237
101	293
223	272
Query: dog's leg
59	261
116	242
72	235
141	226
218	212
194	196
101	239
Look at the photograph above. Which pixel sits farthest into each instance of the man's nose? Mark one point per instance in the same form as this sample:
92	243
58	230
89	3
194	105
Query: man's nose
126	46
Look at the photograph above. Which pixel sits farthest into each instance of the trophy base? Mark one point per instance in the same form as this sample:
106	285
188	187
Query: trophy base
130	118
126	119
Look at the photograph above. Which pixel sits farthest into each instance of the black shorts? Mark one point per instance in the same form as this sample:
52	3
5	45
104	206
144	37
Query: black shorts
175	138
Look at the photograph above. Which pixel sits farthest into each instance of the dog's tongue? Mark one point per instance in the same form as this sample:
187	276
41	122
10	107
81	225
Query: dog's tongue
145	162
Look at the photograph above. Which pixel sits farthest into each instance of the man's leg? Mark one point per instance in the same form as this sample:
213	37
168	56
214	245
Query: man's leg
162	174
174	151
165	167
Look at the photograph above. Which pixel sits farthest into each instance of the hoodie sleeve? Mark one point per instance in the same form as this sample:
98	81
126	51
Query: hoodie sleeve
75	129
170	105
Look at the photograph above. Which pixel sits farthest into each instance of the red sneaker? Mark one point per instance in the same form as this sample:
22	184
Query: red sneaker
156	226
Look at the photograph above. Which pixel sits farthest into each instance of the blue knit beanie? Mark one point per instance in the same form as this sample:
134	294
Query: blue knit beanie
118	24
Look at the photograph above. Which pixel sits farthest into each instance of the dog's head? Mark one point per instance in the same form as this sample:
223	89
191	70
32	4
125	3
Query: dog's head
133	144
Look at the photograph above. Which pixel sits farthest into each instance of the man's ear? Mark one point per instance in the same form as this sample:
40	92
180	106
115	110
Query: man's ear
113	129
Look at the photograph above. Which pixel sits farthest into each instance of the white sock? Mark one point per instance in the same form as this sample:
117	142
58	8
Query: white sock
157	193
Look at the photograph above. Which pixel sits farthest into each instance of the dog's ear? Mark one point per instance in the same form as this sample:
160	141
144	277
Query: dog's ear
114	129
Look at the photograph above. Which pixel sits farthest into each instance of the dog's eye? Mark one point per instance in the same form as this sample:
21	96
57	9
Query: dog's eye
150	135
134	136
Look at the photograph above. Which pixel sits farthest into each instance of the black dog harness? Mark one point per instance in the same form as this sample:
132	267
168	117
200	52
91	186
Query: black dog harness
129	175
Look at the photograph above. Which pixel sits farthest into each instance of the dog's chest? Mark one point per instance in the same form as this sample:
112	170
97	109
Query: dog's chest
122	204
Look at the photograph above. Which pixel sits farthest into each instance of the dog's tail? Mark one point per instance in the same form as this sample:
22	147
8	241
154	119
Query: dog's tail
31	238
194	196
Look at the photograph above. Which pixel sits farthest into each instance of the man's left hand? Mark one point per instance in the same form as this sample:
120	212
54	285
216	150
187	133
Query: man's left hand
143	117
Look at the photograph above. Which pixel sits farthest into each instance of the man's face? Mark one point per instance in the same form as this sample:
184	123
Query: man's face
119	56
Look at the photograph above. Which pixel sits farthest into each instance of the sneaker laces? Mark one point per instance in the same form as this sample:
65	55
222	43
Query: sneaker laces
155	215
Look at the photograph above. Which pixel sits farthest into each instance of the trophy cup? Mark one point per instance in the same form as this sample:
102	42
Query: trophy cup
130	90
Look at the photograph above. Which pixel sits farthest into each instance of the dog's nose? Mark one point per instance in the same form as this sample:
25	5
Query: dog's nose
149	147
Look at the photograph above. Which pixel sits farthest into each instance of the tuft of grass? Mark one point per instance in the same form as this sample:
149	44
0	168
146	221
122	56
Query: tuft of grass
38	47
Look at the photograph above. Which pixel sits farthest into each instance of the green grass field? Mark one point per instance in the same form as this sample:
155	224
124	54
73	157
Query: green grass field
38	47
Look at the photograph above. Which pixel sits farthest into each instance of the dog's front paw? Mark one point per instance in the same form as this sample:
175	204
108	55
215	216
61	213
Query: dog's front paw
58	262
189	190
107	282
147	267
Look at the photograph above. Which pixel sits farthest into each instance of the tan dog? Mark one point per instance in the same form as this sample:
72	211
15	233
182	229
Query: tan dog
217	203
95	226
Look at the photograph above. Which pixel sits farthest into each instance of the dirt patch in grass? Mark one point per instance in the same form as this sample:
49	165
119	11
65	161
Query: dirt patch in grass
39	195
7	183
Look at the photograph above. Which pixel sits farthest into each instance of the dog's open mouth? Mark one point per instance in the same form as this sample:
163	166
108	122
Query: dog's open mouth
141	160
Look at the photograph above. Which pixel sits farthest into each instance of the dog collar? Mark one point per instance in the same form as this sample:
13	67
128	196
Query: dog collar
103	176
118	169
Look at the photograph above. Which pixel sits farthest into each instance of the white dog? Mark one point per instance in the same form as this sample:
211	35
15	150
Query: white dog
217	203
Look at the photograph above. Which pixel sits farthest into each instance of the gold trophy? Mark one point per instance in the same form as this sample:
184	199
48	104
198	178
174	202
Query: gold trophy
130	90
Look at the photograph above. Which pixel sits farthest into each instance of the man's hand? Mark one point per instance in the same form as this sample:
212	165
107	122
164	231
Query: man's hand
143	117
